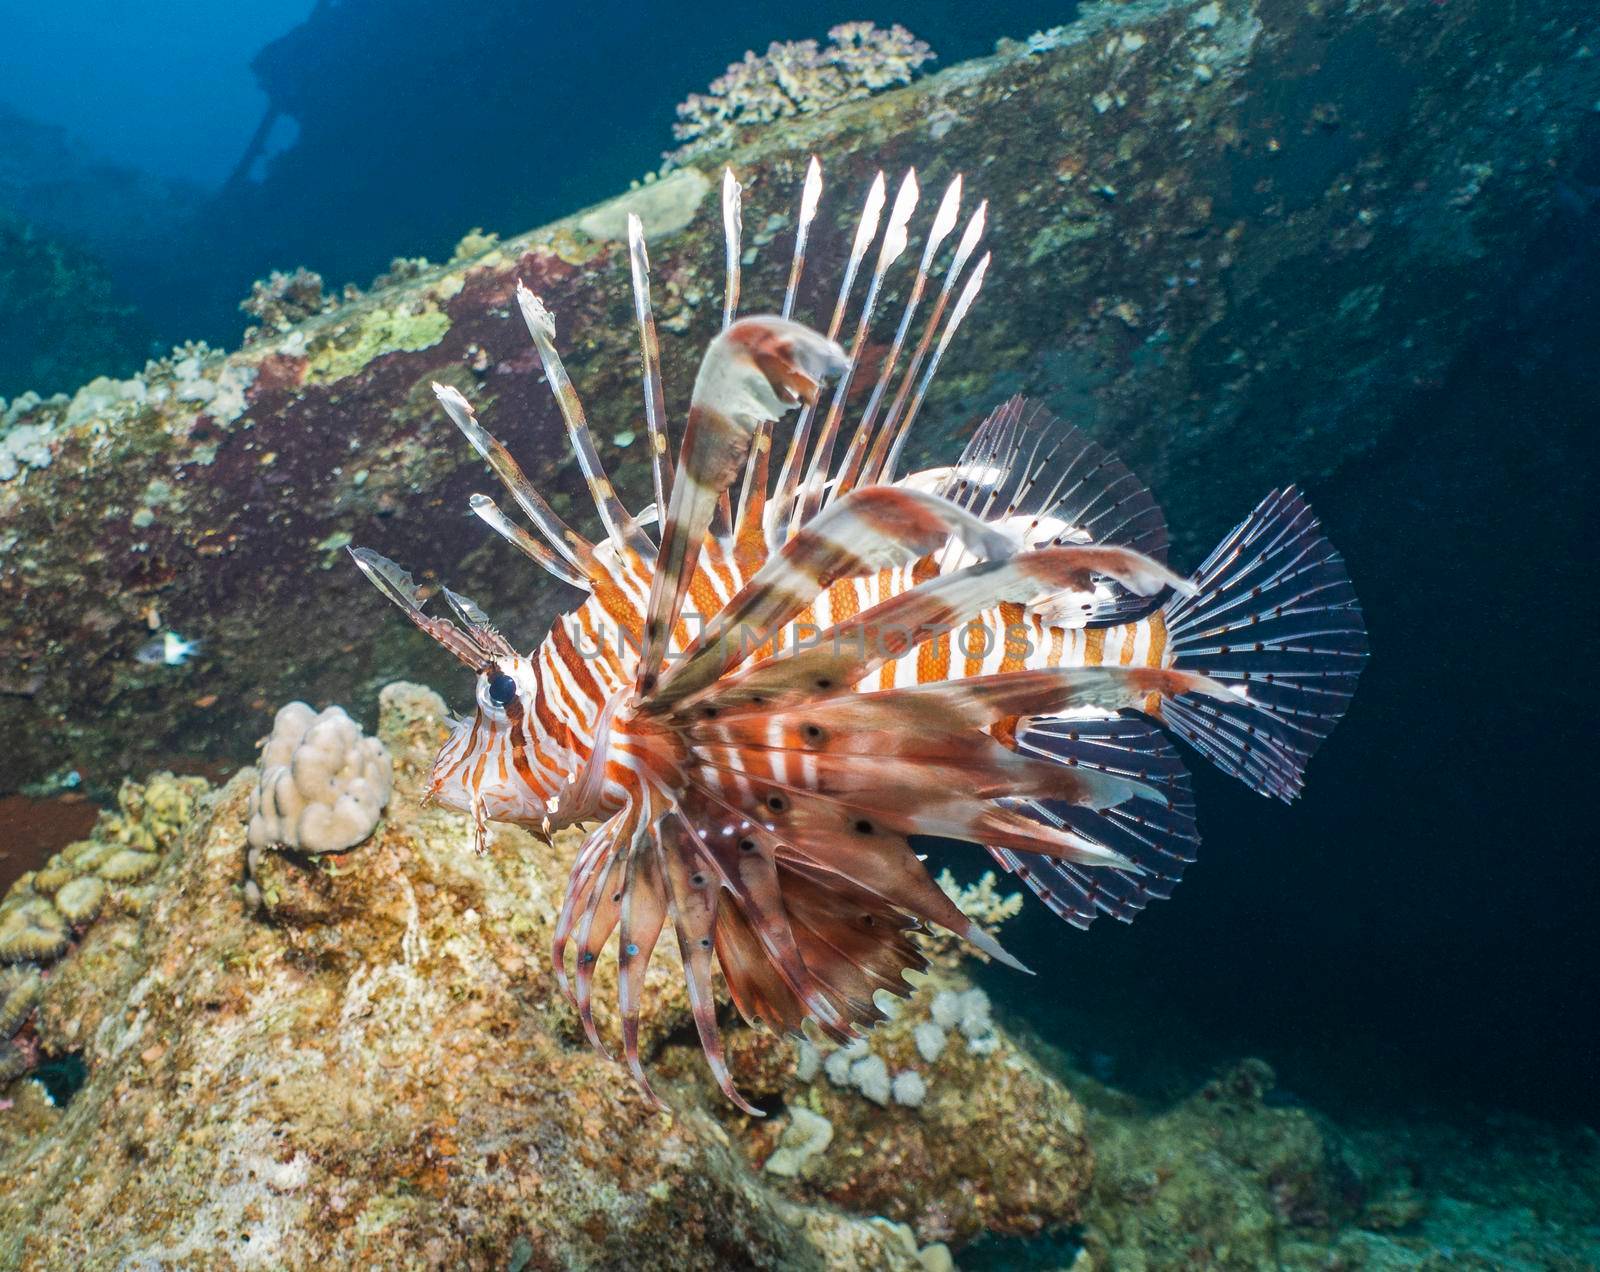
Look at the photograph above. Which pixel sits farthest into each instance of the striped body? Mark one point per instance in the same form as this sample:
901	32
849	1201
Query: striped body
591	654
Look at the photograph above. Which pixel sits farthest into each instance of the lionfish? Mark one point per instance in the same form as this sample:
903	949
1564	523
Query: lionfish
760	708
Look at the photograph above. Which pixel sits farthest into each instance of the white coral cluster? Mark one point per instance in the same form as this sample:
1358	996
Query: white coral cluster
323	785
968	1013
798	77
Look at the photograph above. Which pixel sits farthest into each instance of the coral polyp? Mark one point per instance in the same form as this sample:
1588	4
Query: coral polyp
19	995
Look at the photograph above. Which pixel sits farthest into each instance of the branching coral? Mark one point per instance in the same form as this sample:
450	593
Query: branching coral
797	77
982	901
323	785
281	300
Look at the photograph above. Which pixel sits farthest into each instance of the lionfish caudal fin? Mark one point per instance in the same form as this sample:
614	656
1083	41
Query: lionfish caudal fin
777	842
1273	615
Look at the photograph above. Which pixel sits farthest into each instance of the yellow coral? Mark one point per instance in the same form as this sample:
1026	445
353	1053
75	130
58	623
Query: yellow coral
80	900
129	866
31	929
19	995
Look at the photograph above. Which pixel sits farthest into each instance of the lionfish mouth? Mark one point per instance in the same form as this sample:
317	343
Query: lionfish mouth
759	796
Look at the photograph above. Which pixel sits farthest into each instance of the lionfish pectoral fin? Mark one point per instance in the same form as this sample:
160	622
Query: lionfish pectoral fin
1155	830
752	372
600	919
594	859
984	941
748	861
644	914
1274	619
695	901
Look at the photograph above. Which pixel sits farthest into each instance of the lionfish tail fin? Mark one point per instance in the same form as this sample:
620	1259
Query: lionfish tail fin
1274	617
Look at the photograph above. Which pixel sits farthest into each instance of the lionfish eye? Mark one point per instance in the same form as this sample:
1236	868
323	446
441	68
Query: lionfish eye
502	689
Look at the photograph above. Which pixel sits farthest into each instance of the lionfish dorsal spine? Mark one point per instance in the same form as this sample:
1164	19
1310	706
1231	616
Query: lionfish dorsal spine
655	411
969	293
895	238
491	515
895	425
621	526
571	546
788	488
732	232
810	197
857	454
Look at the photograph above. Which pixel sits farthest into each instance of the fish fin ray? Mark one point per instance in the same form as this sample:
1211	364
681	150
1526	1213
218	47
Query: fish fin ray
754	371
1274	616
1157	834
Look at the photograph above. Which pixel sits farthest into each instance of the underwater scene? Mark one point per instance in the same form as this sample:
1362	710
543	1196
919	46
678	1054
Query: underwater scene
918	636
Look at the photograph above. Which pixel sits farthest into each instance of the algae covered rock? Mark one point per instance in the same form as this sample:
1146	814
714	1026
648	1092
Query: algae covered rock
397	1083
1237	1175
934	1162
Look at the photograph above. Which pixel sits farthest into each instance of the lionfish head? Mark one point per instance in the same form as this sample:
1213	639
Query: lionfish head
490	765
493	767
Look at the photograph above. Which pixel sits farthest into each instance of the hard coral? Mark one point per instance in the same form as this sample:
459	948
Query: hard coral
281	300
323	785
43	907
913	1136
797	77
80	899
19	995
403	1087
31	929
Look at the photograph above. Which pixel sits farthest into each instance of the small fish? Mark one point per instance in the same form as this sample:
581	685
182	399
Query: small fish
756	709
167	650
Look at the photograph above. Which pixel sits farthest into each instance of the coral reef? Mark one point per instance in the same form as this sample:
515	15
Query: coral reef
923	1157
47	910
1240	1176
806	1137
377	1068
797	77
323	785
